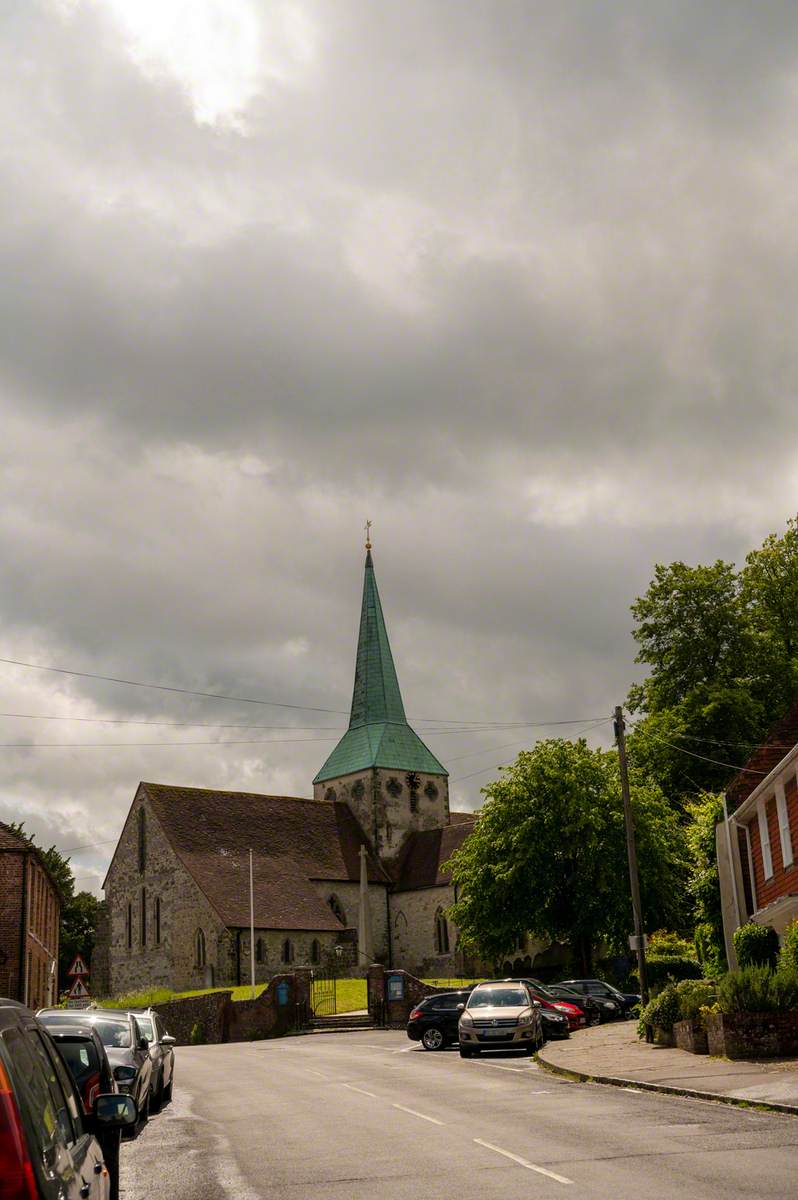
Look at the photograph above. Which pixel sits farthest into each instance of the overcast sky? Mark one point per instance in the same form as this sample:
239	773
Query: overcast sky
518	281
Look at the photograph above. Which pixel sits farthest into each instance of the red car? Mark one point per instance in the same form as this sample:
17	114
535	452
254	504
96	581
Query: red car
577	1018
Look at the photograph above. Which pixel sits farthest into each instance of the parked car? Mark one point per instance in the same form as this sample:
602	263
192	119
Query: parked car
49	1147
433	1022
162	1056
605	991
500	1016
595	1008
574	1014
555	1024
125	1044
84	1055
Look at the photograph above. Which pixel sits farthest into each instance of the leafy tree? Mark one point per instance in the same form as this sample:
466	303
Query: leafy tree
704	884
769	591
78	931
548	855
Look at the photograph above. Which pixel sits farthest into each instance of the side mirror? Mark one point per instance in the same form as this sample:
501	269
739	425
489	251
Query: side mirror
536	1004
143	1044
460	1007
116	1111
168	1040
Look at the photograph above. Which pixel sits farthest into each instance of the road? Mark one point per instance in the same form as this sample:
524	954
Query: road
351	1116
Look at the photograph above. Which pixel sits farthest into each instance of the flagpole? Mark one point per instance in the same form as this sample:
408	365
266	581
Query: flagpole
251	927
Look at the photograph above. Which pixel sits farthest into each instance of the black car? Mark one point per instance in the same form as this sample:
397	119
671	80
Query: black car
599	990
555	1024
84	1055
162	1056
126	1046
49	1148
433	1022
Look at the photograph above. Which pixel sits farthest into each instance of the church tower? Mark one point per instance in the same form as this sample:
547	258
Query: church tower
381	768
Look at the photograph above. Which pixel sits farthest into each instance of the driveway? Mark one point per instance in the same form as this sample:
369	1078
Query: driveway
351	1116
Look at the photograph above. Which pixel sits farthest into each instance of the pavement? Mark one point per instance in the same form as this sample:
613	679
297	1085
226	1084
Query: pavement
613	1053
353	1116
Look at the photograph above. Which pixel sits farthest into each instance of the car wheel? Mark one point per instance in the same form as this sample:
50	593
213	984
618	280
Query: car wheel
144	1115
167	1092
432	1039
156	1096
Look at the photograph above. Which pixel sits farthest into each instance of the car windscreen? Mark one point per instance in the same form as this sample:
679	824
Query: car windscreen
508	997
145	1025
80	1055
113	1034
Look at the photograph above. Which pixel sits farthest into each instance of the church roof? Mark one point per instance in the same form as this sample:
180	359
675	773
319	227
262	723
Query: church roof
424	853
378	733
294	842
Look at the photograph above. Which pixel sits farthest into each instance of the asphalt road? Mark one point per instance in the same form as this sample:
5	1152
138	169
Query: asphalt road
351	1116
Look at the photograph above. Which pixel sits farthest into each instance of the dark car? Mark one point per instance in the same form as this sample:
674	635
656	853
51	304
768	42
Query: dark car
125	1044
433	1022
49	1148
555	1024
162	1055
600	990
595	1008
84	1055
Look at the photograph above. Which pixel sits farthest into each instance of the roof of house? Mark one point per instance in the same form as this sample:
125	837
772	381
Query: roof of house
11	840
378	733
424	853
782	738
294	841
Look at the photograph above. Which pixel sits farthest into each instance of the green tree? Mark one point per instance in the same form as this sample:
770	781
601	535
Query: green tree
769	590
78	932
548	855
704	884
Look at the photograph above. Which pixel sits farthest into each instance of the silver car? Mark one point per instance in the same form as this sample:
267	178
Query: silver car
162	1056
500	1016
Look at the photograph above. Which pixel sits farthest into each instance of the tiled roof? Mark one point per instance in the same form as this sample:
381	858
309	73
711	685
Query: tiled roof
778	743
293	841
424	854
378	734
456	818
9	840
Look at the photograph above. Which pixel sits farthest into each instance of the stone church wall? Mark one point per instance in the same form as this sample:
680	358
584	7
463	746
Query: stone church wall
389	804
170	962
349	897
413	933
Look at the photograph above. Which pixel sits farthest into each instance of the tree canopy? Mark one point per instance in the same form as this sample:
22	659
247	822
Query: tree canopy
548	855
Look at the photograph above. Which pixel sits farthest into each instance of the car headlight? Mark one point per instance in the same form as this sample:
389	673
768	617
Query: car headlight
465	1019
611	1004
525	1017
562	1008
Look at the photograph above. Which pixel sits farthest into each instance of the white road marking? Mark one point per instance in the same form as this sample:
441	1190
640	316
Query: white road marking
499	1067
362	1091
407	1050
320	1074
423	1116
522	1162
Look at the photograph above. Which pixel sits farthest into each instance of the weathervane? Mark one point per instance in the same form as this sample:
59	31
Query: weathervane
368	534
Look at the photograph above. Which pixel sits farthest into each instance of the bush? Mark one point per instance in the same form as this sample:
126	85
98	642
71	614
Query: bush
756	945
788	955
664	944
662	1012
694	994
662	970
711	956
758	989
197	1037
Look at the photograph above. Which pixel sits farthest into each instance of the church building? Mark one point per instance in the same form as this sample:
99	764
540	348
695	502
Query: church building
351	876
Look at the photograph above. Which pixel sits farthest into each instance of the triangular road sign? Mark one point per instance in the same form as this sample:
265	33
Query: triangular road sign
78	967
78	991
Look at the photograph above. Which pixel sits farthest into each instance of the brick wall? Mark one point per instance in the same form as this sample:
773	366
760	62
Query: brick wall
222	1020
31	979
783	881
394	1013
10	922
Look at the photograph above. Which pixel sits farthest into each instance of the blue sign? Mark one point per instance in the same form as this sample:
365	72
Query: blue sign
396	987
283	991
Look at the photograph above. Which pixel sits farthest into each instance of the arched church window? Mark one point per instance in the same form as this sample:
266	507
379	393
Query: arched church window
315	952
142	839
288	951
199	945
330	795
337	908
399	923
259	950
441	933
430	791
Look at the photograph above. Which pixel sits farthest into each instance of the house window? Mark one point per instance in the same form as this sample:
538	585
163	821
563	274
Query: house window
338	908
441	933
157	920
784	826
288	951
142	840
129	927
199	943
315	952
143	921
259	950
764	839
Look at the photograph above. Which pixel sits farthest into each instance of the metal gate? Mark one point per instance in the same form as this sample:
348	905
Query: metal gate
322	994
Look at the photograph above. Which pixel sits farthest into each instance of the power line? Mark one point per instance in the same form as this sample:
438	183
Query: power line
715	761
134	745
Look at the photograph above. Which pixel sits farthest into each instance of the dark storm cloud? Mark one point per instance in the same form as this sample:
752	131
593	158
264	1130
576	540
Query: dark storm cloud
516	280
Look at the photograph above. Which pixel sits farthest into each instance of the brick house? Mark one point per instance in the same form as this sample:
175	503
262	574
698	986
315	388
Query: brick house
30	911
757	841
177	889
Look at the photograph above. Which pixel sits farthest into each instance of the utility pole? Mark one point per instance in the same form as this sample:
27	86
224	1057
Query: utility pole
251	926
631	851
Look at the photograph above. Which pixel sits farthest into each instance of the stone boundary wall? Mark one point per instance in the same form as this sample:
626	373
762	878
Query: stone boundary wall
282	1007
753	1035
211	1012
393	1012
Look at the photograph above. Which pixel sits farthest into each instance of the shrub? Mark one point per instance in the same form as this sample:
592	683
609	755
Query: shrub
694	994
788	955
664	944
661	1012
756	945
711	956
661	970
197	1037
758	989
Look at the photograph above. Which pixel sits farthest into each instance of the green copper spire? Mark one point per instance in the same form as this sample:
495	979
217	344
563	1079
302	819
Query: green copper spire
378	734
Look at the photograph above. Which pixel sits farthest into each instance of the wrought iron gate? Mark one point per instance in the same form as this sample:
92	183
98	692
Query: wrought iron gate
322	994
